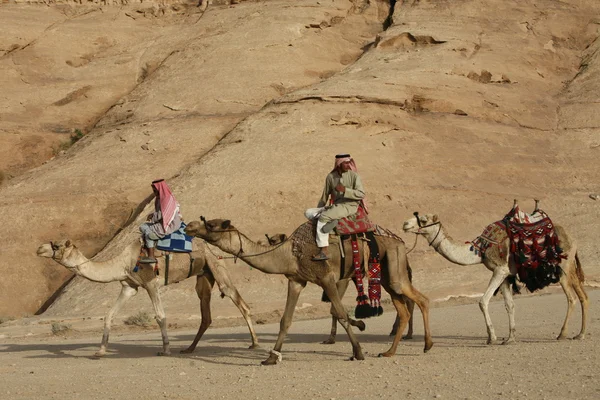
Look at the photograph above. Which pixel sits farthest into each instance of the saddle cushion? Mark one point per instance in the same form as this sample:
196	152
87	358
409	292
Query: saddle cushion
177	241
356	223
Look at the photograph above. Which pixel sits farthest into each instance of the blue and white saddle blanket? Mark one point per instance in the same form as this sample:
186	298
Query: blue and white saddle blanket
177	241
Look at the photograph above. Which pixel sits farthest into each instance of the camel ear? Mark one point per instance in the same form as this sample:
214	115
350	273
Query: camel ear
283	237
68	243
435	218
225	224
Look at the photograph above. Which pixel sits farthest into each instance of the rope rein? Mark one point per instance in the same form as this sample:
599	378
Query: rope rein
241	251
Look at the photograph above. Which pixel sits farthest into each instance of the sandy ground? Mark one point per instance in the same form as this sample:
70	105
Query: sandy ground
460	365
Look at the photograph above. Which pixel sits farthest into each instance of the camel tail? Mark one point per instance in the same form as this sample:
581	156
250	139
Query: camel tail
578	269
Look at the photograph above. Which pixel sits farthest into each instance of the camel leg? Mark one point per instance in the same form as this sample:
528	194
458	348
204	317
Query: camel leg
509	304
566	286
411	308
403	316
329	286
127	292
294	290
220	275
342	286
498	276
231	292
161	318
400	284
204	287
583	299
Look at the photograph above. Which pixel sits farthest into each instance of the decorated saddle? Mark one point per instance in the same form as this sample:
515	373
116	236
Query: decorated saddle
176	242
357	223
533	245
535	248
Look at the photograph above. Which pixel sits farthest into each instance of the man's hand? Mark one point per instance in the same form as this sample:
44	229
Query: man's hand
340	188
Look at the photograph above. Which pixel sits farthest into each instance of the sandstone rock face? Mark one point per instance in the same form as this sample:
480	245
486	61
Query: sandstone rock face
457	108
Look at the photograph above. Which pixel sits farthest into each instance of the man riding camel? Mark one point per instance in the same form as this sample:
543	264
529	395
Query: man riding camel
165	219
342	195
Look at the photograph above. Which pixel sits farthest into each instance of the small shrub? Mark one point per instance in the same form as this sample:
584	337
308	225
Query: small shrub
58	328
64	146
140	319
76	136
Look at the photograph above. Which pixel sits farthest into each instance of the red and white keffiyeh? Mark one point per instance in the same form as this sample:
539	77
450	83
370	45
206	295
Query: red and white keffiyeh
168	204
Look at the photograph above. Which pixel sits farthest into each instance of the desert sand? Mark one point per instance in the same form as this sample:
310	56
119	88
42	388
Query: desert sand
459	366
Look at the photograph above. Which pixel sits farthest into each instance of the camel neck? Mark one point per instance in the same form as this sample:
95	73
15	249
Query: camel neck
267	259
111	270
453	251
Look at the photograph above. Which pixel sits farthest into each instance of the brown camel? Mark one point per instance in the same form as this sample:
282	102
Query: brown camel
202	264
497	259
342	286
293	259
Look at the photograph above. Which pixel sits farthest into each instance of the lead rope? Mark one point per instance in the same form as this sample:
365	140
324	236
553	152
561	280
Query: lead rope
415	244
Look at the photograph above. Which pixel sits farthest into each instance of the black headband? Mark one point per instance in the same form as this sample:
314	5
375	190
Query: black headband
342	156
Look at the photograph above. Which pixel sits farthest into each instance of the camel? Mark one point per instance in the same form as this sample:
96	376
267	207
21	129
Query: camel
202	264
292	258
342	286
497	259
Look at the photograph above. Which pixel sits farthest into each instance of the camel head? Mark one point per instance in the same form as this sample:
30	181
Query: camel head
422	224
55	250
211	231
273	240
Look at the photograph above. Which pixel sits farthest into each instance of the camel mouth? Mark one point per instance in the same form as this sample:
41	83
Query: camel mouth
42	252
408	227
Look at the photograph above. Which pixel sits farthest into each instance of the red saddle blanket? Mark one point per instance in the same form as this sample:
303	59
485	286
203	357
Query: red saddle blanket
535	248
356	223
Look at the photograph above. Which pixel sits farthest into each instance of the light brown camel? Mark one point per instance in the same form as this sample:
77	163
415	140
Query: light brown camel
497	259
342	286
205	266
293	259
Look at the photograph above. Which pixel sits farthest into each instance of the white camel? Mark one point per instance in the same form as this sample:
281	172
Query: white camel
203	264
497	259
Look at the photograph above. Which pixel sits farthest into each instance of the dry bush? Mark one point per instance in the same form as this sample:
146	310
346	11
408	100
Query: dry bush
140	319
58	328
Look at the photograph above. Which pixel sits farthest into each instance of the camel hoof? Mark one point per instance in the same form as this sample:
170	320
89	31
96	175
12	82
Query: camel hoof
187	351
407	337
163	353
427	347
386	354
99	354
393	332
328	341
561	337
579	337
270	361
254	346
509	341
490	341
361	325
